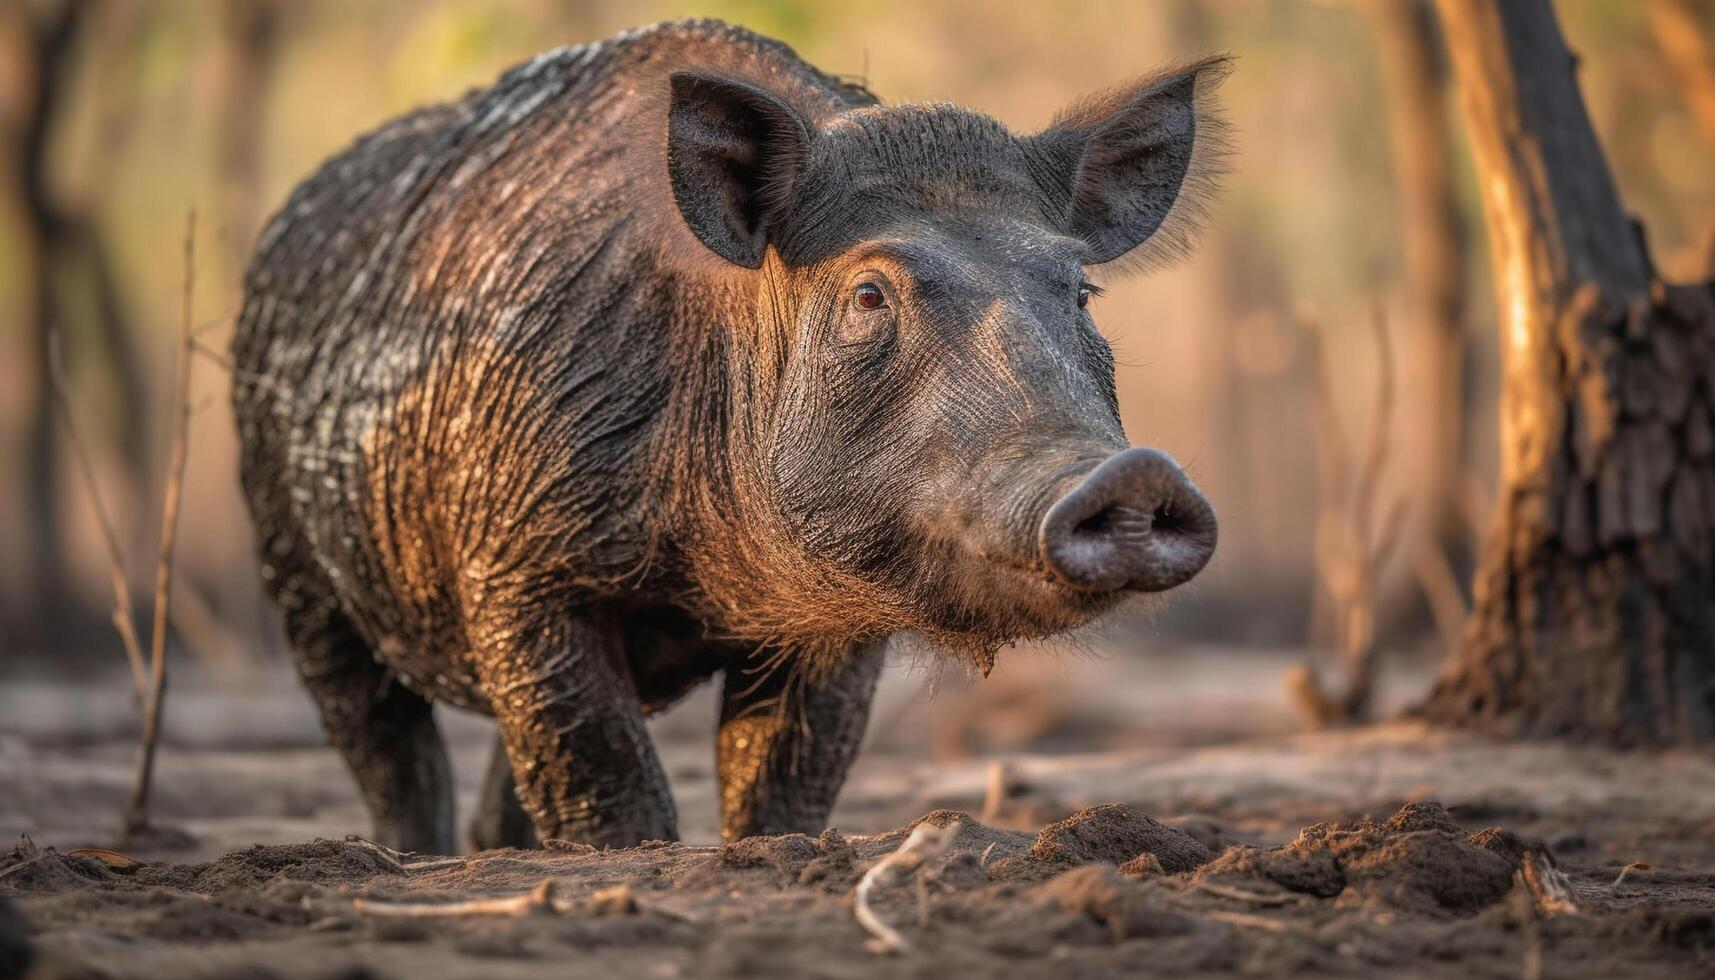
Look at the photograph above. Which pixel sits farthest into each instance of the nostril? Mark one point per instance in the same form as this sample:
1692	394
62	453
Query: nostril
1116	520
1165	522
1098	523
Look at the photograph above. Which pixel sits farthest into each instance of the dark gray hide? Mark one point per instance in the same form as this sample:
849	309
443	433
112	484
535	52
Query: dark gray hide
672	356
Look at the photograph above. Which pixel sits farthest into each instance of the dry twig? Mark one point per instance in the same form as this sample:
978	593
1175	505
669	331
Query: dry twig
1638	866
401	860
136	810
1002	783
1547	884
926	841
1530	931
1352	545
122	609
1440	585
540	898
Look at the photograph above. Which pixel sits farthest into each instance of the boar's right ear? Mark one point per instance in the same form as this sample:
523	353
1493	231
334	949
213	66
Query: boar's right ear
734	152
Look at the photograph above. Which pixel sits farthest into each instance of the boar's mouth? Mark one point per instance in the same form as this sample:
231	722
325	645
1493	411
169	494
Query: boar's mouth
1135	523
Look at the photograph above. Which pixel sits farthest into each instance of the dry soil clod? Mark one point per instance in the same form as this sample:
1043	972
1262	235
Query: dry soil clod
20	866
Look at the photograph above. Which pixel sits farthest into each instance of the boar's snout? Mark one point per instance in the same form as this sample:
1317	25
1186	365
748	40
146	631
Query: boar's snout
1136	522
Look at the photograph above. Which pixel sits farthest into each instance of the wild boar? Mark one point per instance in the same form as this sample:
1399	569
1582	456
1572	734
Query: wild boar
672	356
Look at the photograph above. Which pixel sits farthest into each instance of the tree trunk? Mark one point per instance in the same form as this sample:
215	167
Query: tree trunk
1433	236
71	288
1595	600
48	43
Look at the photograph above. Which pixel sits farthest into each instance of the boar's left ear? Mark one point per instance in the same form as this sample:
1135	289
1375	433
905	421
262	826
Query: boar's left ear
733	154
1134	164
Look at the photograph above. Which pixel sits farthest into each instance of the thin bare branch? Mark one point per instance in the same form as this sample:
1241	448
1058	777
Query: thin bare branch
216	356
209	325
136	811
1351	550
1476	503
1333	457
123	620
1638	866
1441	587
1381	424
1001	783
538	899
1392	533
402	860
1547	884
202	631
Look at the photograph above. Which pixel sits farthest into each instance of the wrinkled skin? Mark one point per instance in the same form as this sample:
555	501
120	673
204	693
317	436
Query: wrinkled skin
669	357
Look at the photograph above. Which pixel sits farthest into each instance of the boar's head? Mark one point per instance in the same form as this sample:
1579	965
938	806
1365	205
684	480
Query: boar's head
922	432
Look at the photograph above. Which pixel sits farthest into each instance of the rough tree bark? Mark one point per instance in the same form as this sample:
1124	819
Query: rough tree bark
1595	600
1433	236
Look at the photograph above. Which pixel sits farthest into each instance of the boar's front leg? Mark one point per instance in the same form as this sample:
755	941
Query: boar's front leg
786	740
584	767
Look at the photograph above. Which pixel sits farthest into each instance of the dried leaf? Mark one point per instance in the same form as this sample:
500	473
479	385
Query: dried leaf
113	859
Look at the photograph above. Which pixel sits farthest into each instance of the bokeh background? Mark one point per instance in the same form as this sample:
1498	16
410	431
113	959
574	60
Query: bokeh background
155	107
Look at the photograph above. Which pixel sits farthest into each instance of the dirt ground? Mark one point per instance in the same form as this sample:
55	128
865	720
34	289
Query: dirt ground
1238	847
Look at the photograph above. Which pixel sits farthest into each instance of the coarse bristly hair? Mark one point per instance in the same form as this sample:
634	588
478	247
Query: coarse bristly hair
809	608
544	383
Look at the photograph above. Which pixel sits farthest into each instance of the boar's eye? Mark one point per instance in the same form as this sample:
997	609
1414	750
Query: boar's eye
868	296
1085	291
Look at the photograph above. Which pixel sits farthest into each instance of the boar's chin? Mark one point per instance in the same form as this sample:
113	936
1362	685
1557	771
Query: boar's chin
998	614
